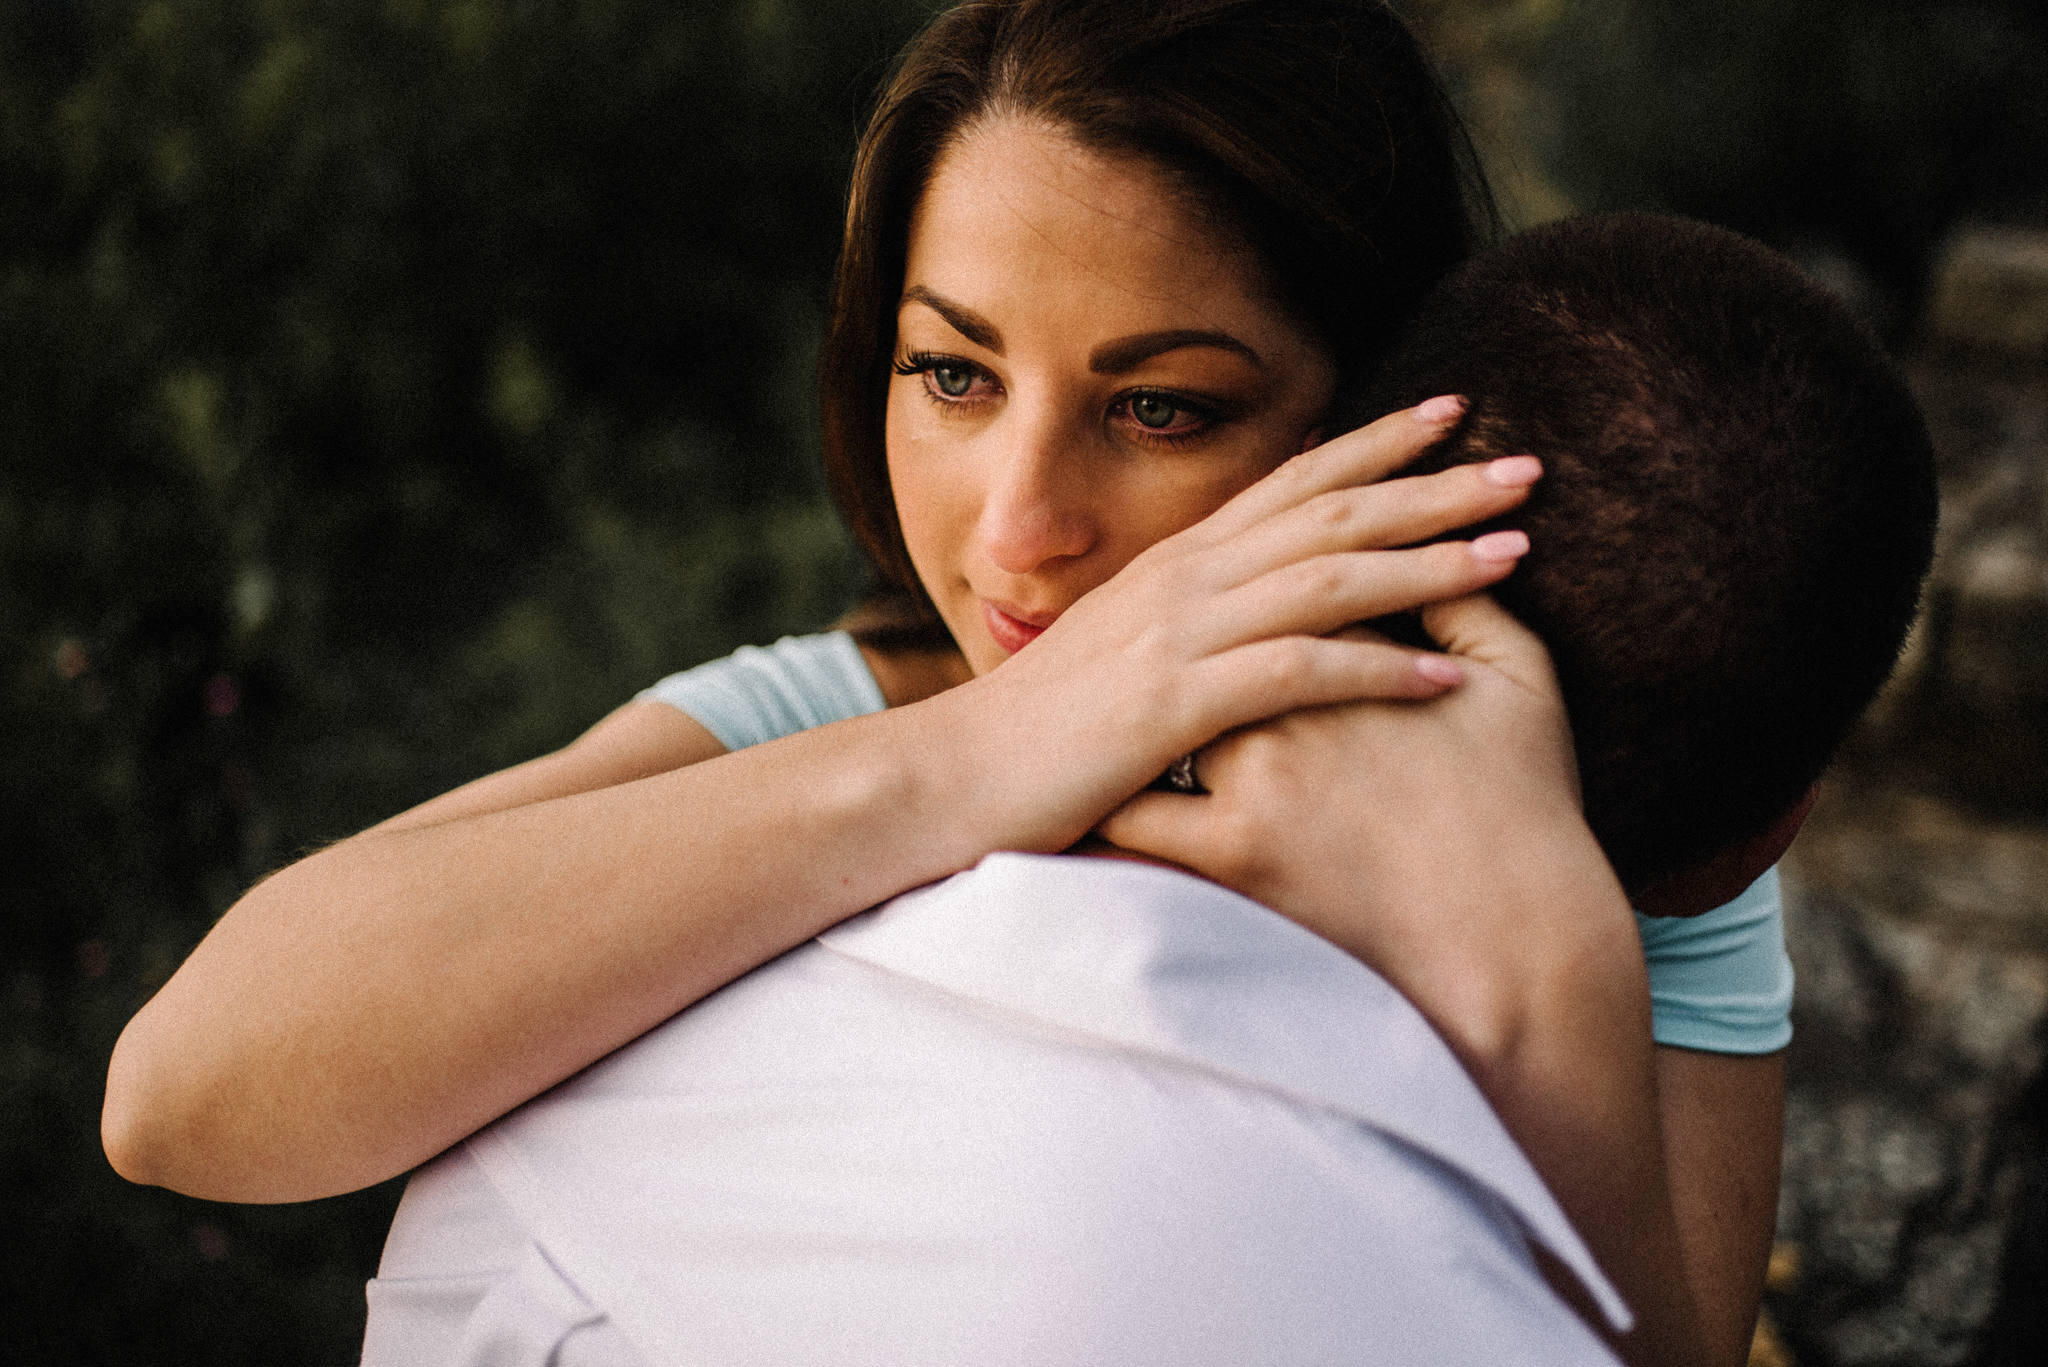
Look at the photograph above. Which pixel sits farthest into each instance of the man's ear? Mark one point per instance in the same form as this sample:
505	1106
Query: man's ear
1722	878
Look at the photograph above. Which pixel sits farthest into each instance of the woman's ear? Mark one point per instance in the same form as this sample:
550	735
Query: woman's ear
1722	878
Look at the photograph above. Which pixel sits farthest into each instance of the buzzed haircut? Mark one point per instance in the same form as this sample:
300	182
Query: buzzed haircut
1737	510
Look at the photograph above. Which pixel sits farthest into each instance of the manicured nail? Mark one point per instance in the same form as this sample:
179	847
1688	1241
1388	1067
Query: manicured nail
1439	669
1514	472
1441	411
1499	546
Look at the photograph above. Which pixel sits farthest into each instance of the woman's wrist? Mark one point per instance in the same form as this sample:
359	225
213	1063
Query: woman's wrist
995	767
1539	943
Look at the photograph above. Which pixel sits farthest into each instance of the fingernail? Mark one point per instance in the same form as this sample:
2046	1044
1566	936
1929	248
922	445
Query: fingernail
1514	472
1439	669
1441	411
1499	546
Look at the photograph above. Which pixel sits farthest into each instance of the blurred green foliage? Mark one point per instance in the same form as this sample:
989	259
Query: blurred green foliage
387	390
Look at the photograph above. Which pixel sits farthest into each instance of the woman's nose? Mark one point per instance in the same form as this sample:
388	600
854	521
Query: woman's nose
1036	507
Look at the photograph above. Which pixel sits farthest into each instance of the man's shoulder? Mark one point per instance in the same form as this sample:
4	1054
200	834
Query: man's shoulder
1050	1101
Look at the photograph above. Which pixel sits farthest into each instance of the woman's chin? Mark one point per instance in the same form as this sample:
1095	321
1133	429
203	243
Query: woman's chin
979	648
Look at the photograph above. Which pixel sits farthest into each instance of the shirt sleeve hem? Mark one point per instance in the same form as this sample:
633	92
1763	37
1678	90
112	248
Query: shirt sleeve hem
1718	1036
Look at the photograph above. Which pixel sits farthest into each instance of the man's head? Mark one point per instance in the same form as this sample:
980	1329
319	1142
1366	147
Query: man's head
1737	511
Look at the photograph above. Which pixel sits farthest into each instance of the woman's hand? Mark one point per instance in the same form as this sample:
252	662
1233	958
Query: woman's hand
1422	837
1441	843
1230	622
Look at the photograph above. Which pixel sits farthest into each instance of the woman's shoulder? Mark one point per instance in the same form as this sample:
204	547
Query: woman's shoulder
1722	981
762	693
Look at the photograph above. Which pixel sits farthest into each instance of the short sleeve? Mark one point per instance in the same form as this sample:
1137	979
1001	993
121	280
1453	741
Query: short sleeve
1722	981
759	694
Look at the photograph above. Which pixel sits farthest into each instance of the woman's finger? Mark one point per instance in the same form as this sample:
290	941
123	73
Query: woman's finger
1479	628
1396	512
1269	678
1365	456
1163	825
1319	596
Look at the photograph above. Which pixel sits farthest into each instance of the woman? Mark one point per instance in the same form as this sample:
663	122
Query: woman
1107	268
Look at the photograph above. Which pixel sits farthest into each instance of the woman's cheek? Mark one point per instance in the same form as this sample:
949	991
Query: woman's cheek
931	506
906	476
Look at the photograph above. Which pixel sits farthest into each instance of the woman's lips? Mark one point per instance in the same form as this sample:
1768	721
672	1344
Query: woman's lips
1014	630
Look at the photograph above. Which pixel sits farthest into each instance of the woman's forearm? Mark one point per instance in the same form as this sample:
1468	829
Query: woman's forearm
1666	1158
1560	1044
367	1007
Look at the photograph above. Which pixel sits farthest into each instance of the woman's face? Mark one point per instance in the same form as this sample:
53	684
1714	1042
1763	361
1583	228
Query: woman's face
1081	370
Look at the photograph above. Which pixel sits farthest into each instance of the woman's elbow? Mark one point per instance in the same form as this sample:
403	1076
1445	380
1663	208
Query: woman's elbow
131	1119
152	1125
170	1120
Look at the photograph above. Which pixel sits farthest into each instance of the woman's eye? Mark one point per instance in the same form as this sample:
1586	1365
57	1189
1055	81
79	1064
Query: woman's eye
948	379
1153	410
1167	417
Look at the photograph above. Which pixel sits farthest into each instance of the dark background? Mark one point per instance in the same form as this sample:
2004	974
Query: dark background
388	390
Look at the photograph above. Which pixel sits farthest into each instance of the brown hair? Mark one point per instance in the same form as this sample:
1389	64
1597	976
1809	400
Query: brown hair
1736	512
1312	131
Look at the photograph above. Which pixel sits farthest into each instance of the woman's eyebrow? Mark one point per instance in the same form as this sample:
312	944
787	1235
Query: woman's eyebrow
964	320
1128	353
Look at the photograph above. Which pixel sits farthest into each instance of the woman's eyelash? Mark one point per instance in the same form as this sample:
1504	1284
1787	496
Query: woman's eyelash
918	362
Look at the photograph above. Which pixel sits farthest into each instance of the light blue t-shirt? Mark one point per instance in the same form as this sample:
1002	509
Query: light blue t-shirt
1719	982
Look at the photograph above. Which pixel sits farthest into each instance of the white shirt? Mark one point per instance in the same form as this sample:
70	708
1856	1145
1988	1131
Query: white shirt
1050	1111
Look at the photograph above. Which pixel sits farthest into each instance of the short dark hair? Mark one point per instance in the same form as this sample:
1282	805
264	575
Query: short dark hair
1737	512
1312	132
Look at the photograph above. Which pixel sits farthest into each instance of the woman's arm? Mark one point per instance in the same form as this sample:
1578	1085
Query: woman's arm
1443	845
358	1012
1723	1120
361	1010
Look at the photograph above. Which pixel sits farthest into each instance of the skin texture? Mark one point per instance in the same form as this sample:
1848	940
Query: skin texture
362	1010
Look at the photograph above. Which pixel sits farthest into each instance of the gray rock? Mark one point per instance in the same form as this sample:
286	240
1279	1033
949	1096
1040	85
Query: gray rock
1917	910
1966	715
1991	290
1920	936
